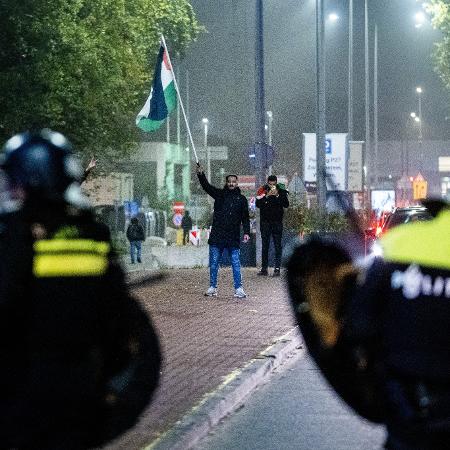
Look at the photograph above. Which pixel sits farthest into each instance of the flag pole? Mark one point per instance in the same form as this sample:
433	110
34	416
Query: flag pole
179	99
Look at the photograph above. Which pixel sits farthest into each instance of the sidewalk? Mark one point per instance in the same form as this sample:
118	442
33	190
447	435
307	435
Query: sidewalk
204	339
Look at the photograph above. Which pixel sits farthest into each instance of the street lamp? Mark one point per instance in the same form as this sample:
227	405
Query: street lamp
420	19
269	131
419	95
321	106
333	17
269	126
205	122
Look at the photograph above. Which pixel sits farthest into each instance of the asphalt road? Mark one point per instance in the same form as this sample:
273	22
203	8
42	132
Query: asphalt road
297	410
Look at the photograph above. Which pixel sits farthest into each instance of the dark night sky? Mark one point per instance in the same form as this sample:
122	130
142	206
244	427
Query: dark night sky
221	72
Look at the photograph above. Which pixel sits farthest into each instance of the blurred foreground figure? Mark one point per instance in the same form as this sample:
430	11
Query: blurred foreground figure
381	336
80	359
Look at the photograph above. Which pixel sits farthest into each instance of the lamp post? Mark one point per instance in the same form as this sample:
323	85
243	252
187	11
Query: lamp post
419	94
320	105
205	122
269	126
260	138
350	70
366	85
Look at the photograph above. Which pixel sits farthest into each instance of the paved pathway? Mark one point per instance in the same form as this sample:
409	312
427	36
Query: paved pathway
204	339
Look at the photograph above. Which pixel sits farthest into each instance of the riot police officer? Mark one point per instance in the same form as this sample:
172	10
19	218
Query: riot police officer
80	358
381	335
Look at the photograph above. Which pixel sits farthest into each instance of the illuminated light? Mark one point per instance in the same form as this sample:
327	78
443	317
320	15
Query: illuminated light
413	115
420	18
417	119
333	17
378	231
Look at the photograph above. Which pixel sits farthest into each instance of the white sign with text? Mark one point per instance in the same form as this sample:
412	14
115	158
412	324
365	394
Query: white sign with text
335	159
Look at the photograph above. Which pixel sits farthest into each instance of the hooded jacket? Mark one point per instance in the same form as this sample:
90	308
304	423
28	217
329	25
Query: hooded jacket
230	211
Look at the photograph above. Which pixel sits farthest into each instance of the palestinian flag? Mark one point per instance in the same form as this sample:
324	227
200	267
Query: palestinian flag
163	97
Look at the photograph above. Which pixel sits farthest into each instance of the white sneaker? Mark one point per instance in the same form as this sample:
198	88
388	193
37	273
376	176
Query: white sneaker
239	293
211	292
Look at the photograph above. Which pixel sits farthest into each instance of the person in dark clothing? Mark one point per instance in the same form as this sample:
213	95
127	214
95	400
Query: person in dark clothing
80	357
271	199
380	334
230	212
186	225
135	235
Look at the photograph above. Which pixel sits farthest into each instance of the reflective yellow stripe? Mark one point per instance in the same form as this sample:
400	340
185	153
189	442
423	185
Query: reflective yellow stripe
71	245
70	258
423	243
69	265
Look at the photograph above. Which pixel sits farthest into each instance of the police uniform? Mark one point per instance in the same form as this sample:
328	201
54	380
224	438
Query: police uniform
80	357
388	352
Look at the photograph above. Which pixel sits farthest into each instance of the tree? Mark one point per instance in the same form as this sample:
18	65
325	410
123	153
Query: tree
84	67
440	15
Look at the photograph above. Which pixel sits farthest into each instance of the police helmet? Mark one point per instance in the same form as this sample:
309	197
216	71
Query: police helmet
43	165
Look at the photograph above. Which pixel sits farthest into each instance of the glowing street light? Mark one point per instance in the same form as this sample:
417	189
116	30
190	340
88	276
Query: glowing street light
420	19
205	122
333	17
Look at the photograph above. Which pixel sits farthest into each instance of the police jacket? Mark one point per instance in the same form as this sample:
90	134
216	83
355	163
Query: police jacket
391	359
80	358
230	211
272	206
405	300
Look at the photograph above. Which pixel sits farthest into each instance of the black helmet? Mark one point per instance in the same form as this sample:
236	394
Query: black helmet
43	165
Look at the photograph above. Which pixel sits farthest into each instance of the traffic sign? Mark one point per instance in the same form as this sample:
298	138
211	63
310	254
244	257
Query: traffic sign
178	207
419	187
177	218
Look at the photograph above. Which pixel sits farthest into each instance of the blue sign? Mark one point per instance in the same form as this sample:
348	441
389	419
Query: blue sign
328	146
131	208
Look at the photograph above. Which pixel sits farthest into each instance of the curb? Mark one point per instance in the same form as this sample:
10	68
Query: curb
228	396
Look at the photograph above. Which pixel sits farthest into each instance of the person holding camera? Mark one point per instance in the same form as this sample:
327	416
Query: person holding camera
271	199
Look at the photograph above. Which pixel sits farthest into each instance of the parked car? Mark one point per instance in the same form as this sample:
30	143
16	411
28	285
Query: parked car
406	215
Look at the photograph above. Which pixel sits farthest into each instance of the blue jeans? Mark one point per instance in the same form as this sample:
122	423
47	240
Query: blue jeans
215	255
135	247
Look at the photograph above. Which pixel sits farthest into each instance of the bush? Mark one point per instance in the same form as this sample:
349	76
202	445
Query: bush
303	220
119	243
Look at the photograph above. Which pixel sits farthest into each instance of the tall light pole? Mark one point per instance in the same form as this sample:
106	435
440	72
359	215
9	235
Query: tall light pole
269	126
419	94
260	110
205	122
366	73
320	105
375	106
350	70
269	132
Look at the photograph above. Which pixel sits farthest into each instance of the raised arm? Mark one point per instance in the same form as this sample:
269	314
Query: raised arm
208	188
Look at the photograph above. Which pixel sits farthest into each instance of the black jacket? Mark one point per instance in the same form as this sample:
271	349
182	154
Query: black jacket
186	223
80	357
230	211
272	207
135	232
